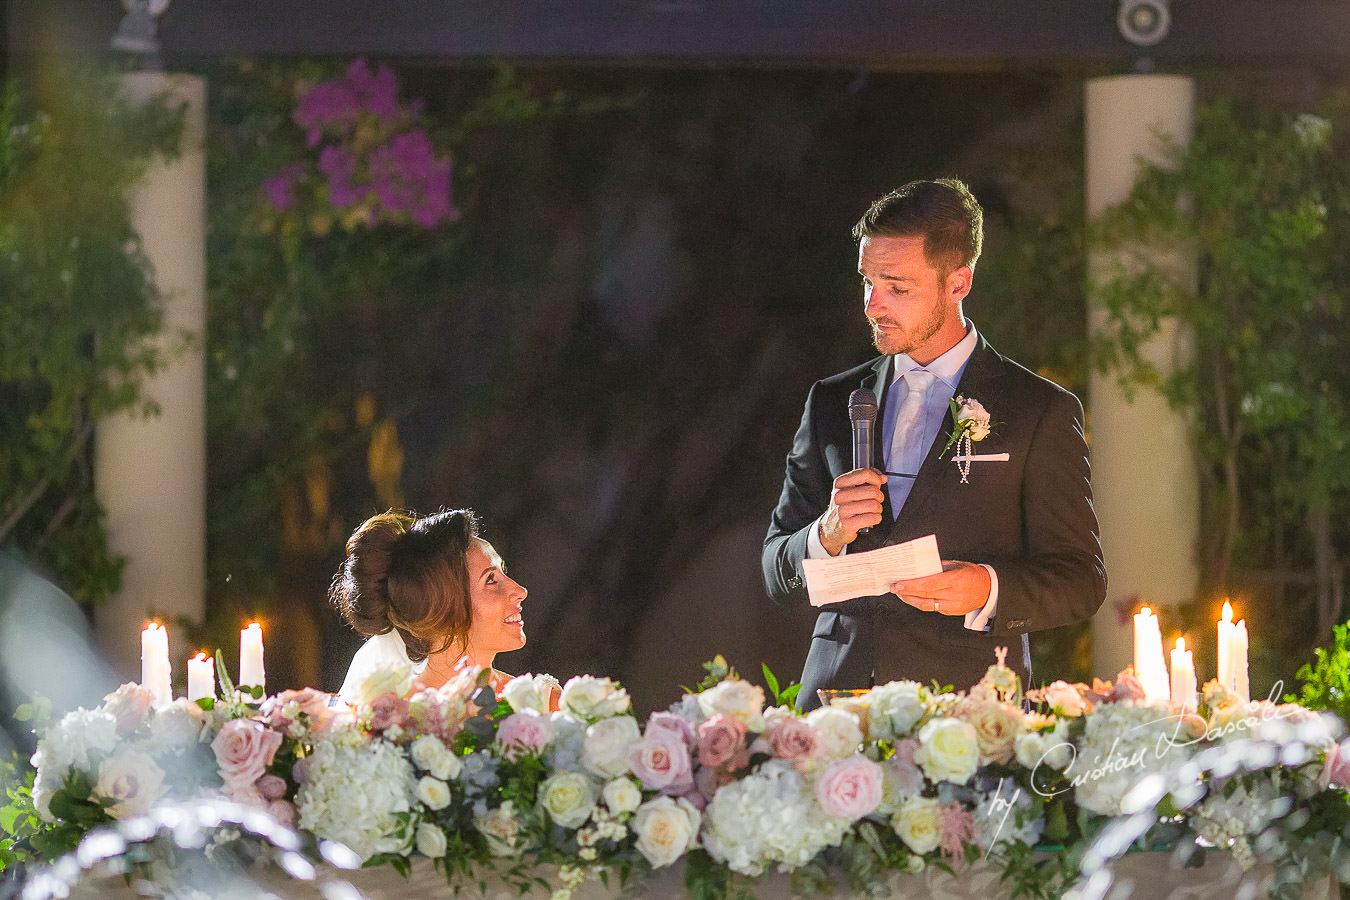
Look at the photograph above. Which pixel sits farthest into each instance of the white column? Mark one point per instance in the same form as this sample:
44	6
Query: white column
1144	478
150	472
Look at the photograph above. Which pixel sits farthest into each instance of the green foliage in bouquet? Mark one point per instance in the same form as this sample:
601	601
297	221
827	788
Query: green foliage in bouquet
1325	682
76	307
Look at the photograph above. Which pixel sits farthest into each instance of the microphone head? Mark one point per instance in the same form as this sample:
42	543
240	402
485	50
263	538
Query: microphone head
862	406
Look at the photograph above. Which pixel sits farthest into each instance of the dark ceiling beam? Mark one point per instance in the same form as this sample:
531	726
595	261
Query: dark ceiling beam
904	33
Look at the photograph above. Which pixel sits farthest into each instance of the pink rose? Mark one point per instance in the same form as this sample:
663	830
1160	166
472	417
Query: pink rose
1128	687
386	710
130	705
718	740
244	749
661	760
794	740
308	701
284	813
850	788
272	787
523	732
1336	767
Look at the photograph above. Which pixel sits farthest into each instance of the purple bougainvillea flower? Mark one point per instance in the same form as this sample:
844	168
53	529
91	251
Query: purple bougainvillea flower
280	188
340	167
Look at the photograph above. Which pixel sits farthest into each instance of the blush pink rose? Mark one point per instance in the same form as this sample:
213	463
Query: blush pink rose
718	740
662	720
130	705
1127	687
662	762
244	749
1336	767
386	710
794	739
523	732
850	788
309	701
284	812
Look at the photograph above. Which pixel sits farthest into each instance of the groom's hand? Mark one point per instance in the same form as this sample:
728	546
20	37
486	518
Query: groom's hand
959	588
855	502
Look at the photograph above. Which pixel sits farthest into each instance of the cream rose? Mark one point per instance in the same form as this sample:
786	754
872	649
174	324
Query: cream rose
133	780
590	698
735	699
622	796
896	708
501	830
666	828
529	692
432	792
430	754
178	724
568	798
918	823
997	726
948	750
430	841
604	750
392	678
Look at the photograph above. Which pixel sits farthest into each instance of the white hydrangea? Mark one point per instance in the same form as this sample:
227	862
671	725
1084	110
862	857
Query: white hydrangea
1226	820
1122	745
1007	815
359	794
768	817
80	741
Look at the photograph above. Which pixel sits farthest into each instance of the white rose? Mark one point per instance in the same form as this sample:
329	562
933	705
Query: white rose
430	841
178	724
528	692
974	412
604	750
837	730
622	795
588	697
895	709
918	823
948	750
735	699
568	798
132	779
666	828
425	751
384	678
432	792
501	830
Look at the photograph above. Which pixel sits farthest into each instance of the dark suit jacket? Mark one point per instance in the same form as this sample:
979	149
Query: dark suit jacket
1030	518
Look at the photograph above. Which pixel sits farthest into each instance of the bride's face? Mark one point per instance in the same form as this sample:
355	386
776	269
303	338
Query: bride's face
497	626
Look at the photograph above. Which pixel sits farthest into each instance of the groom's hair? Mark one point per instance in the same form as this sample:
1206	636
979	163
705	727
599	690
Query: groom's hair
409	572
943	212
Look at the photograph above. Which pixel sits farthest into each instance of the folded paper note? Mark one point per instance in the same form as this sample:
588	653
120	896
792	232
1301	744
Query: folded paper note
870	573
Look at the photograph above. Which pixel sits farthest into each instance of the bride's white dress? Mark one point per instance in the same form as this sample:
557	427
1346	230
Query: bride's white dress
380	651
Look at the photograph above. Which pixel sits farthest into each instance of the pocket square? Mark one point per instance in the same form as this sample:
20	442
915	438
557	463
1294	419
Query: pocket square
981	457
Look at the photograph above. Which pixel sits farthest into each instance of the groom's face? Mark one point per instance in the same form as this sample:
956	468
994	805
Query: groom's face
911	307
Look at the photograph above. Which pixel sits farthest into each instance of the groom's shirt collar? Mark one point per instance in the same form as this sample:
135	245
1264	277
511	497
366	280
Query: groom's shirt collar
947	367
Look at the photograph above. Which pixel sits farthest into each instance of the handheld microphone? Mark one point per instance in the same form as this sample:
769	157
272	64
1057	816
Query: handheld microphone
862	412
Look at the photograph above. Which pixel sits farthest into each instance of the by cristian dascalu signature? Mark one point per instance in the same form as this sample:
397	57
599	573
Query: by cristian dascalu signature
1186	729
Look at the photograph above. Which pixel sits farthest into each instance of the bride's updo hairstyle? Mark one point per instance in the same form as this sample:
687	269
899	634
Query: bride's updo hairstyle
409	572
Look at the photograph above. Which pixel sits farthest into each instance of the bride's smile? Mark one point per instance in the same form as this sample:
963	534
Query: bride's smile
498	624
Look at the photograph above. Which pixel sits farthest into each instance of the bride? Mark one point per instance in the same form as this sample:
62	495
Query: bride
430	594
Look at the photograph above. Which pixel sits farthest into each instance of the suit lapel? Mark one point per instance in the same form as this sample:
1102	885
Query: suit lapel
980	381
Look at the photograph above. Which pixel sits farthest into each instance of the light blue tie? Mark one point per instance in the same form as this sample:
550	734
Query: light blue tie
907	444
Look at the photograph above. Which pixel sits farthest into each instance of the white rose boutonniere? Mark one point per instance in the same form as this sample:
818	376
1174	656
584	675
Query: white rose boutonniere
970	422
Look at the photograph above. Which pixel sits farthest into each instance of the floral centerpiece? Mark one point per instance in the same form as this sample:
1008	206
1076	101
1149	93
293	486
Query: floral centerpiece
728	780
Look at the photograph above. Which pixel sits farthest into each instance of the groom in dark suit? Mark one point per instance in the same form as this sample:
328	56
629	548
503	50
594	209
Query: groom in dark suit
1014	521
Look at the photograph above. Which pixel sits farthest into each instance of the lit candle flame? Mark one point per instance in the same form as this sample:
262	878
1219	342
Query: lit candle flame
1181	643
1227	611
